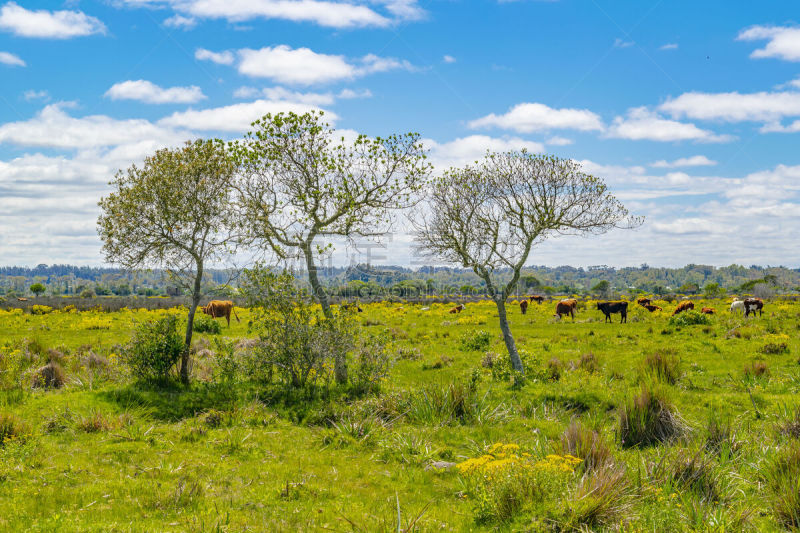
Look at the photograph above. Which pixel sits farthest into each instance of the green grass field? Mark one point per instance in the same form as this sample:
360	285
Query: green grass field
105	454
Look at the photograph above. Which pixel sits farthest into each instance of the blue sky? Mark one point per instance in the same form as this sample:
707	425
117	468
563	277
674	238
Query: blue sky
689	110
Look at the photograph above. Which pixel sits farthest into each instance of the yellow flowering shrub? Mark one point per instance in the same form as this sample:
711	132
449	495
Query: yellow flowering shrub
505	479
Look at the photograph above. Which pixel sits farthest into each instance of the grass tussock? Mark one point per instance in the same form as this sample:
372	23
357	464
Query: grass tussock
649	418
50	376
756	369
782	479
721	439
790	426
11	428
587	445
589	363
604	497
664	367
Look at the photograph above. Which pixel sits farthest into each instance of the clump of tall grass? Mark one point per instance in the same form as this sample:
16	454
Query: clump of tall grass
720	438
782	479
663	366
50	376
649	418
11	428
604	497
586	444
790	426
756	369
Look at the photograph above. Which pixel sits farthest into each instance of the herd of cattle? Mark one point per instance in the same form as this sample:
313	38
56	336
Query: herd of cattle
223	308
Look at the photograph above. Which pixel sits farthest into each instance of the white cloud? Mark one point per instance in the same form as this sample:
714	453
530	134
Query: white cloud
782	41
775	127
7	58
31	95
145	91
220	58
466	150
53	128
235	118
734	106
327	13
559	141
529	117
668	46
643	124
350	94
693	161
48	24
448	59
179	21
303	66
619	43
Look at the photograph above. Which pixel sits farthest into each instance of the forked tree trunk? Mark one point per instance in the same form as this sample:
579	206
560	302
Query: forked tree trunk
513	354
340	360
190	325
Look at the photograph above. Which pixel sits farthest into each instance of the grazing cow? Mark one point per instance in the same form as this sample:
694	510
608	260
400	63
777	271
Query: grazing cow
566	307
751	305
644	301
220	308
651	307
537	298
683	306
457	309
523	306
614	307
708	311
22	299
737	305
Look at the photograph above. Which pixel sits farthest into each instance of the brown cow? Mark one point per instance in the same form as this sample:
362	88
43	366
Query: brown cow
566	307
651	307
683	306
537	298
220	308
644	302
708	311
22	299
751	305
523	306
457	309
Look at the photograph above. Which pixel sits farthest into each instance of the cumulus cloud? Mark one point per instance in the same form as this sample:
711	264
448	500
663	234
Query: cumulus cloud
235	118
530	117
783	42
47	24
693	161
7	58
448	59
179	21
642	124
327	13
734	106
52	127
148	92
302	66
467	150
220	58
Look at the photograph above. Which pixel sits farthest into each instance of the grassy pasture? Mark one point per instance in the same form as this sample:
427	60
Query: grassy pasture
103	454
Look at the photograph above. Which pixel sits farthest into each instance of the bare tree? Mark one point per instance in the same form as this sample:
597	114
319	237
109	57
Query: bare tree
489	216
173	213
300	183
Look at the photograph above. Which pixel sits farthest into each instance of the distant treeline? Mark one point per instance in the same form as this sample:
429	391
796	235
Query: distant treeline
379	281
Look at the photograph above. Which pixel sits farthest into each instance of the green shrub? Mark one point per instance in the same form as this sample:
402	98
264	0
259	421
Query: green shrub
503	371
689	318
154	349
41	309
205	324
475	341
370	363
775	348
649	418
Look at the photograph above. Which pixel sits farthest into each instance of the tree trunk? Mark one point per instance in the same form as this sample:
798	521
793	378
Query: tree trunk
190	325
516	362
340	361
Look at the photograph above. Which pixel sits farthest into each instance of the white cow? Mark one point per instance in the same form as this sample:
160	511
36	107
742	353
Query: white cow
737	305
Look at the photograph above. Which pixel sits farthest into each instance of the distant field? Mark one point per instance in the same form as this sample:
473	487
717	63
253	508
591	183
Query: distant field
103	454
